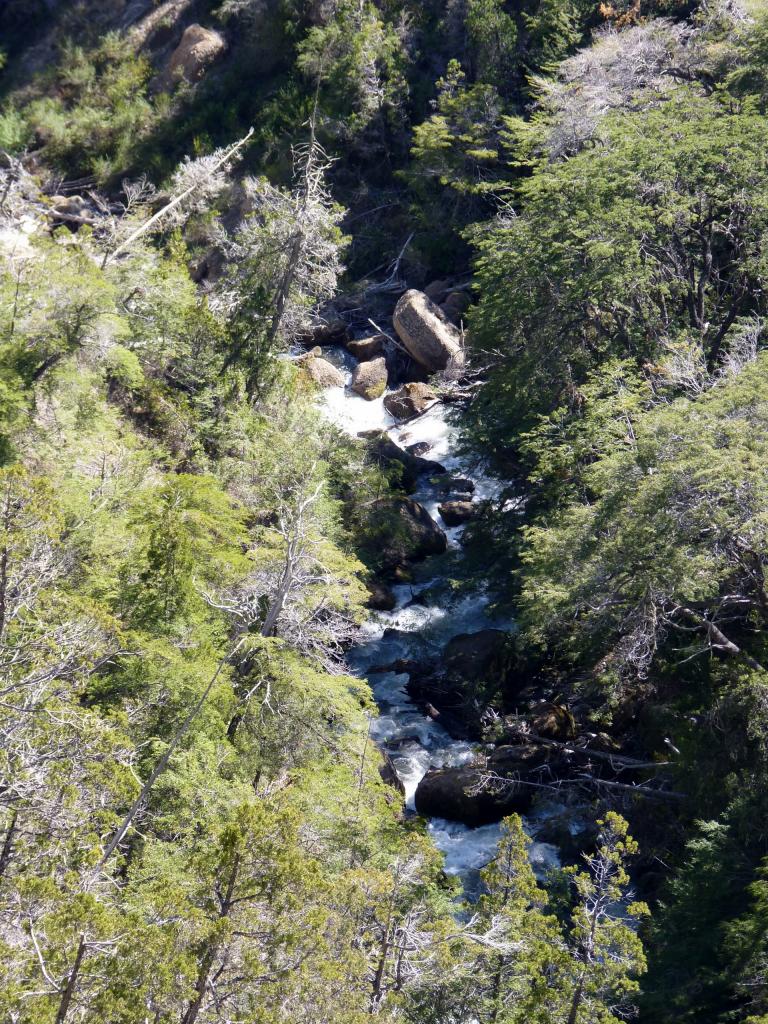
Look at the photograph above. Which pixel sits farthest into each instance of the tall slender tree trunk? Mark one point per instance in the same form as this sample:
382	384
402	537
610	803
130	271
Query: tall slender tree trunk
5	853
578	995
209	956
69	990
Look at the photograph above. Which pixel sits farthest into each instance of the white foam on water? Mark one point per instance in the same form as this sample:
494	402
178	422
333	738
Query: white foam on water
413	741
465	849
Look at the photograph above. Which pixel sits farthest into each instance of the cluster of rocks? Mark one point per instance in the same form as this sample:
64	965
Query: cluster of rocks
424	335
537	751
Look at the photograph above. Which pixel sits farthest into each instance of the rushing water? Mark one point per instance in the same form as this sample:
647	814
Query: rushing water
420	626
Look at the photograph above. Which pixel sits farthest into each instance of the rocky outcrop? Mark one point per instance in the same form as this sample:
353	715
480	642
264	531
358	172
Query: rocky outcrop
437	290
410	400
455	513
455	306
404	532
426	333
322	373
198	49
419	448
366	348
388	773
490	789
369	379
553	721
381	597
474	672
389	456
71	210
453	485
330	332
475	655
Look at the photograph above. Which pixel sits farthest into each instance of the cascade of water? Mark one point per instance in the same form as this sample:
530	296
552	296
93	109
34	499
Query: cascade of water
414	742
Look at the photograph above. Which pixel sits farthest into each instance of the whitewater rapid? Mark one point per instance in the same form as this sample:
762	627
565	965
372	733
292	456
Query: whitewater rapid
425	617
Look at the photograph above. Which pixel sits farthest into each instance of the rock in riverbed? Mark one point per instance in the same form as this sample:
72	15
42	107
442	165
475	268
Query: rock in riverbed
369	379
322	373
409	401
474	672
490	789
405	532
455	513
381	597
367	348
383	451
426	332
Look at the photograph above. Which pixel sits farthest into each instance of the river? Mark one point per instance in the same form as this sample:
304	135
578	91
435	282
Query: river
419	626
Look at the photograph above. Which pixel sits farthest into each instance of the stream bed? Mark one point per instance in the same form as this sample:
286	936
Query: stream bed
422	625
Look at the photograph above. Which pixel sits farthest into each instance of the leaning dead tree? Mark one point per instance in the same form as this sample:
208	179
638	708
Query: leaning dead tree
219	160
284	259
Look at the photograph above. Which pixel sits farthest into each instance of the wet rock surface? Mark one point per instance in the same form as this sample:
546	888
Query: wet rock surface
408	468
321	372
369	379
407	532
455	513
472	673
409	401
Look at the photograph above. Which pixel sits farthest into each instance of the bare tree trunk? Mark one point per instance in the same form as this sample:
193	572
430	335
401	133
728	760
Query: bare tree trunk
576	1002
5	853
69	990
719	640
193	1010
378	978
144	228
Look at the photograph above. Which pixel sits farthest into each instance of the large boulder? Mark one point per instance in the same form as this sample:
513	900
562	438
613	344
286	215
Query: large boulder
381	598
71	210
369	380
490	789
198	49
322	373
426	332
366	348
554	721
410	400
475	671
455	306
383	451
389	774
475	655
455	513
437	290
453	485
327	332
471	795
403	531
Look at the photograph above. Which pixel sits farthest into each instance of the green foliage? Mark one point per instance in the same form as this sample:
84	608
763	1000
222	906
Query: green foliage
493	39
638	257
356	61
100	110
14	131
458	146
